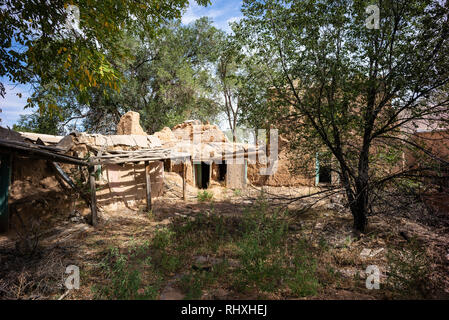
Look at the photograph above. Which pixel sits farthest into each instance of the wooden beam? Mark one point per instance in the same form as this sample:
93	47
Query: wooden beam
38	151
183	180
148	185
69	181
93	195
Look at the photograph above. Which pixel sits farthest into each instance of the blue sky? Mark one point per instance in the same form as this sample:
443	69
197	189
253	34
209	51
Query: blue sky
12	105
220	11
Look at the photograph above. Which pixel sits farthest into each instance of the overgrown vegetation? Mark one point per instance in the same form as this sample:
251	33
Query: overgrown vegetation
259	252
408	270
204	196
125	272
251	255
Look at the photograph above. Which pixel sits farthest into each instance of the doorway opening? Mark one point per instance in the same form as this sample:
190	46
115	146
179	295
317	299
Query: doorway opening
222	171
202	175
325	174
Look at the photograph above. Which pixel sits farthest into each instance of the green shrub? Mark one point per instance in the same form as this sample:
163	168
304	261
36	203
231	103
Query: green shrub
264	258
124	276
303	280
163	238
204	196
165	258
408	270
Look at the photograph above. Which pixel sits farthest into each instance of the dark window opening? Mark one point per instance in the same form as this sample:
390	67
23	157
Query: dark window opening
167	165
325	174
222	171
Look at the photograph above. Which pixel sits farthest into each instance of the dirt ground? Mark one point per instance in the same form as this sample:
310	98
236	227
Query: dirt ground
341	256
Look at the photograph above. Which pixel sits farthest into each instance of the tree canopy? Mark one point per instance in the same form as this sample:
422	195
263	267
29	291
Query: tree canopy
73	45
168	79
340	87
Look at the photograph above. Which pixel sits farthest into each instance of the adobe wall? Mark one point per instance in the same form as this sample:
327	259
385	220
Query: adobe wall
35	195
283	175
437	142
209	132
177	168
125	185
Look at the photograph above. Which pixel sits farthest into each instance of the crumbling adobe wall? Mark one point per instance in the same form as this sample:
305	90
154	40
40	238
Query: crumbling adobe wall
120	185
177	167
284	174
130	124
166	137
209	132
36	196
437	142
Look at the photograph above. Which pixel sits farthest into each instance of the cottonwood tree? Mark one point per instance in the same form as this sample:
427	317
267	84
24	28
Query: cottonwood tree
229	79
59	49
167	79
353	91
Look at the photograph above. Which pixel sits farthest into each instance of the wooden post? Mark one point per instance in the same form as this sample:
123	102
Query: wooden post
93	201
148	184
184	180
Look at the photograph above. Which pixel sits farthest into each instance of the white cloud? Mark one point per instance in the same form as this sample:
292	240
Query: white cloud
234	19
12	105
221	12
190	15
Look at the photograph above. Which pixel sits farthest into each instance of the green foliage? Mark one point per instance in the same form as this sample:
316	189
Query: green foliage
47	122
263	258
333	84
150	214
204	196
408	270
37	45
165	78
164	259
192	285
303	282
262	253
124	276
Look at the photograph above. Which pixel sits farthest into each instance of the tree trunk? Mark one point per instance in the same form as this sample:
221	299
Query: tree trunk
357	199
359	207
359	211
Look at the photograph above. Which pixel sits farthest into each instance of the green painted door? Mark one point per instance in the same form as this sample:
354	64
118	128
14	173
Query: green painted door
5	175
198	177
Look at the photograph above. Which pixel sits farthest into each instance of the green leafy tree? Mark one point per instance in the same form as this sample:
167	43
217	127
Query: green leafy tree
229	69
48	122
339	86
167	79
49	43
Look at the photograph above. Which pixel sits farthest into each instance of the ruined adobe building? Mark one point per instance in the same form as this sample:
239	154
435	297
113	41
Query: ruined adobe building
212	160
121	185
118	185
29	187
